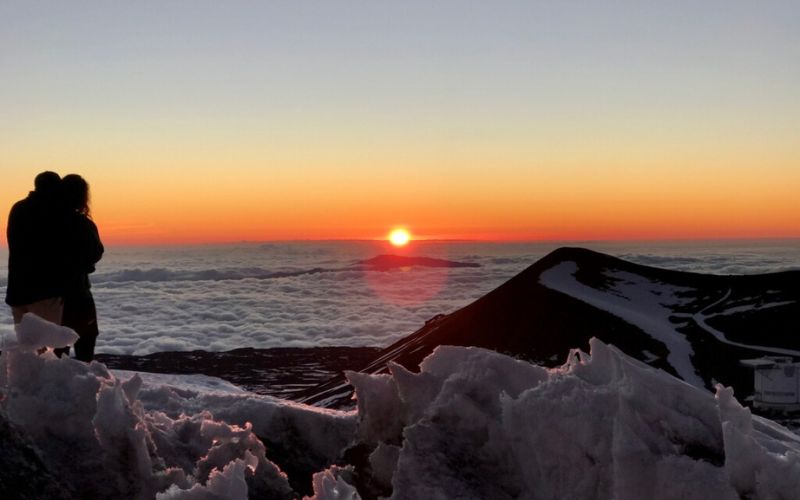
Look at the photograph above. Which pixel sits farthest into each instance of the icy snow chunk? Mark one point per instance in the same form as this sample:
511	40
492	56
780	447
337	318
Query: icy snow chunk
755	470
94	434
386	403
308	438
607	426
378	406
34	332
228	484
331	485
477	424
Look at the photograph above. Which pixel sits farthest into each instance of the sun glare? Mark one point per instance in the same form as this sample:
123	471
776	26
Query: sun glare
399	237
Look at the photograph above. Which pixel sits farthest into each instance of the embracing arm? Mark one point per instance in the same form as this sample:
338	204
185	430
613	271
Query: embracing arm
87	245
94	247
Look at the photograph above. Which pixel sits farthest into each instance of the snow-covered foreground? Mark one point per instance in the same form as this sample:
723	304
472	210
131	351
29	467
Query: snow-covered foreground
471	424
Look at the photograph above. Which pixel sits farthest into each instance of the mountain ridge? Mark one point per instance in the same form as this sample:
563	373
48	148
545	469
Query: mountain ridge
692	325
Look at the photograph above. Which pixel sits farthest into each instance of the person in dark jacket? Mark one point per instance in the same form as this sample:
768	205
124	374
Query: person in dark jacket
35	257
83	249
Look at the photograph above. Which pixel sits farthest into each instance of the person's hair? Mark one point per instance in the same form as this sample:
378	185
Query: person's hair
75	191
47	183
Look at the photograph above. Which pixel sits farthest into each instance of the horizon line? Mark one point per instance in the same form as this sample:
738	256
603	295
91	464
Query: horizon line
561	242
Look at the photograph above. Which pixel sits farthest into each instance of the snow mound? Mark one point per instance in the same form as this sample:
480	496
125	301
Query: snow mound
471	424
477	424
93	431
35	332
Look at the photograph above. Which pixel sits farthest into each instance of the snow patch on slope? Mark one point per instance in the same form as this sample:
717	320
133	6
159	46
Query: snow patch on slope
702	317
638	301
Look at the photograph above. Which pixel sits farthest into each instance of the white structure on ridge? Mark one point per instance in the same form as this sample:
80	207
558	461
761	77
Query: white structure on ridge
776	384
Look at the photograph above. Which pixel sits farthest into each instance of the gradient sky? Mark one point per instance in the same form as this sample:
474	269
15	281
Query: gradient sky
198	121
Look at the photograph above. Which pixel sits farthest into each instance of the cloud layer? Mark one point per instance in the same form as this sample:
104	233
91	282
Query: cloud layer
219	298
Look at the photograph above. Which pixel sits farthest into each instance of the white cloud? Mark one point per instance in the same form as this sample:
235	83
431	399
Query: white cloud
226	297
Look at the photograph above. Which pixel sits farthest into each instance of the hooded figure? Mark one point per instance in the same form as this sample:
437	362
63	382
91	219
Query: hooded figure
36	259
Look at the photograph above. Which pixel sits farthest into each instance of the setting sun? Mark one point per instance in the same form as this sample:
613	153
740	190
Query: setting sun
399	237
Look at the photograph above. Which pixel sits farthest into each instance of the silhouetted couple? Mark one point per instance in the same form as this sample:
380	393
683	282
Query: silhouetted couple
53	245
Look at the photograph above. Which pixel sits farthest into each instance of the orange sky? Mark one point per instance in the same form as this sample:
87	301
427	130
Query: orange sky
271	122
161	206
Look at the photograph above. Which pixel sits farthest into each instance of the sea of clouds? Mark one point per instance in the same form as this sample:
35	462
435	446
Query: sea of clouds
224	297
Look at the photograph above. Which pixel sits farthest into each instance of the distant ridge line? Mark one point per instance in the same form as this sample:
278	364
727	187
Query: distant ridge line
526	319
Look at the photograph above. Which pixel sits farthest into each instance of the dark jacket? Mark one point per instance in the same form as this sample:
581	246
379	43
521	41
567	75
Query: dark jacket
36	259
83	250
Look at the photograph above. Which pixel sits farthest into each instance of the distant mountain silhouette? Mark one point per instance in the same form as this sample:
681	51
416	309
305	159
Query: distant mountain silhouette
379	263
387	262
695	326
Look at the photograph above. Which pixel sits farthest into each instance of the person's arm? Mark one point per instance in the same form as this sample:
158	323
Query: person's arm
87	247
95	247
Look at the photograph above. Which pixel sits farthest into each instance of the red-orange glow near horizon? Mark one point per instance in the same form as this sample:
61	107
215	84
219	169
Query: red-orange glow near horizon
399	237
